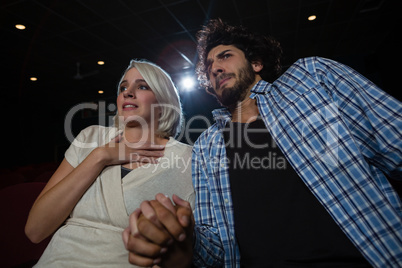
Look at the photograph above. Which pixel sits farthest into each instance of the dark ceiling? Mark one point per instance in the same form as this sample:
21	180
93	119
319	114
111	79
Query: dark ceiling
60	34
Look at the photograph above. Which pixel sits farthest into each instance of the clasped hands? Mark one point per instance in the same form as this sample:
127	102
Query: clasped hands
160	233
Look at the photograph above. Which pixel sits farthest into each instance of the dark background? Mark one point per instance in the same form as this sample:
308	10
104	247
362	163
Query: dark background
363	34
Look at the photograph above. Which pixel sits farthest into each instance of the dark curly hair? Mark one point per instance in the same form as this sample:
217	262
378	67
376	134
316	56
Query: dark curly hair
256	47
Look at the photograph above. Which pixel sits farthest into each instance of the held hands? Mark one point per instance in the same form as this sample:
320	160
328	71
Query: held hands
120	151
160	233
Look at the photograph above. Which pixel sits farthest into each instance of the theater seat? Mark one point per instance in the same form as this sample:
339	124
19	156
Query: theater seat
16	250
11	178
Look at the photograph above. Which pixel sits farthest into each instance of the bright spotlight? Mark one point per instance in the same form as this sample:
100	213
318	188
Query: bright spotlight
312	17
20	26
188	83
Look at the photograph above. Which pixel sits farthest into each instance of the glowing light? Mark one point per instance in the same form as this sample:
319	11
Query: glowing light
188	83
312	17
33	78
20	26
101	62
100	91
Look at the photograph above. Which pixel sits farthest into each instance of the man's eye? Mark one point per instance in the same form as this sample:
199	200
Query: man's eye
226	56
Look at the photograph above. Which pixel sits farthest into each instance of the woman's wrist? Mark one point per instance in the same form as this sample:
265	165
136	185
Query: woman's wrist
100	156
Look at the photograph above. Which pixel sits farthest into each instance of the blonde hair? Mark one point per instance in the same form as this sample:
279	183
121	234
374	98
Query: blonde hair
167	96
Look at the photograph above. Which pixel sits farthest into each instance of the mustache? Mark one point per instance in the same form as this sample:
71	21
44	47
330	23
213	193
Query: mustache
222	77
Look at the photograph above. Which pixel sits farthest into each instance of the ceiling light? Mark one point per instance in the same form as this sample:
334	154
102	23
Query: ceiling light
101	62
100	91
33	78
312	17
187	83
20	26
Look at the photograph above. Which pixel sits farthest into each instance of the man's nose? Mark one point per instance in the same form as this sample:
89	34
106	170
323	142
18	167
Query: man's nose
217	69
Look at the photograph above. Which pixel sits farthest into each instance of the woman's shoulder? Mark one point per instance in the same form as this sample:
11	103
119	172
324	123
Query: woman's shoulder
179	146
98	134
98	129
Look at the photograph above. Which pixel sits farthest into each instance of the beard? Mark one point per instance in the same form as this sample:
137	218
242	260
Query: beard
230	96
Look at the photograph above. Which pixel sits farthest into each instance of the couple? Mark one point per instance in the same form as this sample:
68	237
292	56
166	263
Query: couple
328	205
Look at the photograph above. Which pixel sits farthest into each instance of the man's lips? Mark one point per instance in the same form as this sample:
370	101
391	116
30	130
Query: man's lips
224	80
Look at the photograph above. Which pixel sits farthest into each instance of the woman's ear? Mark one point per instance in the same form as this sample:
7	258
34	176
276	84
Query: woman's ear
257	66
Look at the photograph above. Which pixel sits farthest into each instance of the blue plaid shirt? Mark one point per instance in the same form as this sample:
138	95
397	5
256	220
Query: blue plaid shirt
340	133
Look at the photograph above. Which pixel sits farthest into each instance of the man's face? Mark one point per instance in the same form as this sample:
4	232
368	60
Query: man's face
230	74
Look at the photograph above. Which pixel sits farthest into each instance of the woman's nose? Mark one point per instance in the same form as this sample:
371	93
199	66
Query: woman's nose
129	93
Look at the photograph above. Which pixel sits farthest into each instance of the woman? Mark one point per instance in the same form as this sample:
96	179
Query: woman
108	171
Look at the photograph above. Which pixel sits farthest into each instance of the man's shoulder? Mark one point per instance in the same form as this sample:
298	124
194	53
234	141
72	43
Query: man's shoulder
209	132
308	67
313	62
207	137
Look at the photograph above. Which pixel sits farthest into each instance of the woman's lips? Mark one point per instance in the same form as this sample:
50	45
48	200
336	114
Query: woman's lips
129	106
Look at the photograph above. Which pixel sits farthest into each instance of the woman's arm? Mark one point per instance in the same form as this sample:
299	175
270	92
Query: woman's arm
68	184
61	194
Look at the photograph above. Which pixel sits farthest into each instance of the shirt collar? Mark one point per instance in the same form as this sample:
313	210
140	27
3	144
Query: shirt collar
222	115
262	87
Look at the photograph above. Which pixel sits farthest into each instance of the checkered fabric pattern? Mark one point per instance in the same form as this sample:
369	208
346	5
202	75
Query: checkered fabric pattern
342	135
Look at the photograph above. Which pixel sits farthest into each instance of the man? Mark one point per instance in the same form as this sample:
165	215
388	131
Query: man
293	172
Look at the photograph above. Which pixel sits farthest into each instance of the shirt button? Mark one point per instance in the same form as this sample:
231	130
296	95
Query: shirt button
222	165
226	200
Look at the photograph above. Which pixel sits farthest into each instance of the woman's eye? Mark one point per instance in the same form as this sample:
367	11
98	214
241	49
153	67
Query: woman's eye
143	87
123	89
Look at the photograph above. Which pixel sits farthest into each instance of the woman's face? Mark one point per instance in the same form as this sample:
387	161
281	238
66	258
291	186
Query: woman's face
136	102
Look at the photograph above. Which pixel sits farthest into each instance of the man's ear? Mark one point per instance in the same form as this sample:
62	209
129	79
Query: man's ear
257	66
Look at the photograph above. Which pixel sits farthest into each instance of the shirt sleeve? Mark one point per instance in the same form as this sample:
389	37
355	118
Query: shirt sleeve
82	145
72	155
208	250
373	116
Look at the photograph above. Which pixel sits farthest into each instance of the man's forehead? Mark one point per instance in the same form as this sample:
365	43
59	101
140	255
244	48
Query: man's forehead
219	49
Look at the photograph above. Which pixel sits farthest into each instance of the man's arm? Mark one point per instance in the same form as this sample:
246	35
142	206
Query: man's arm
373	116
208	248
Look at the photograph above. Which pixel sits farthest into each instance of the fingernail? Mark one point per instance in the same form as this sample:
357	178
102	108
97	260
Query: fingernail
136	234
163	250
157	260
182	237
158	145
170	242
